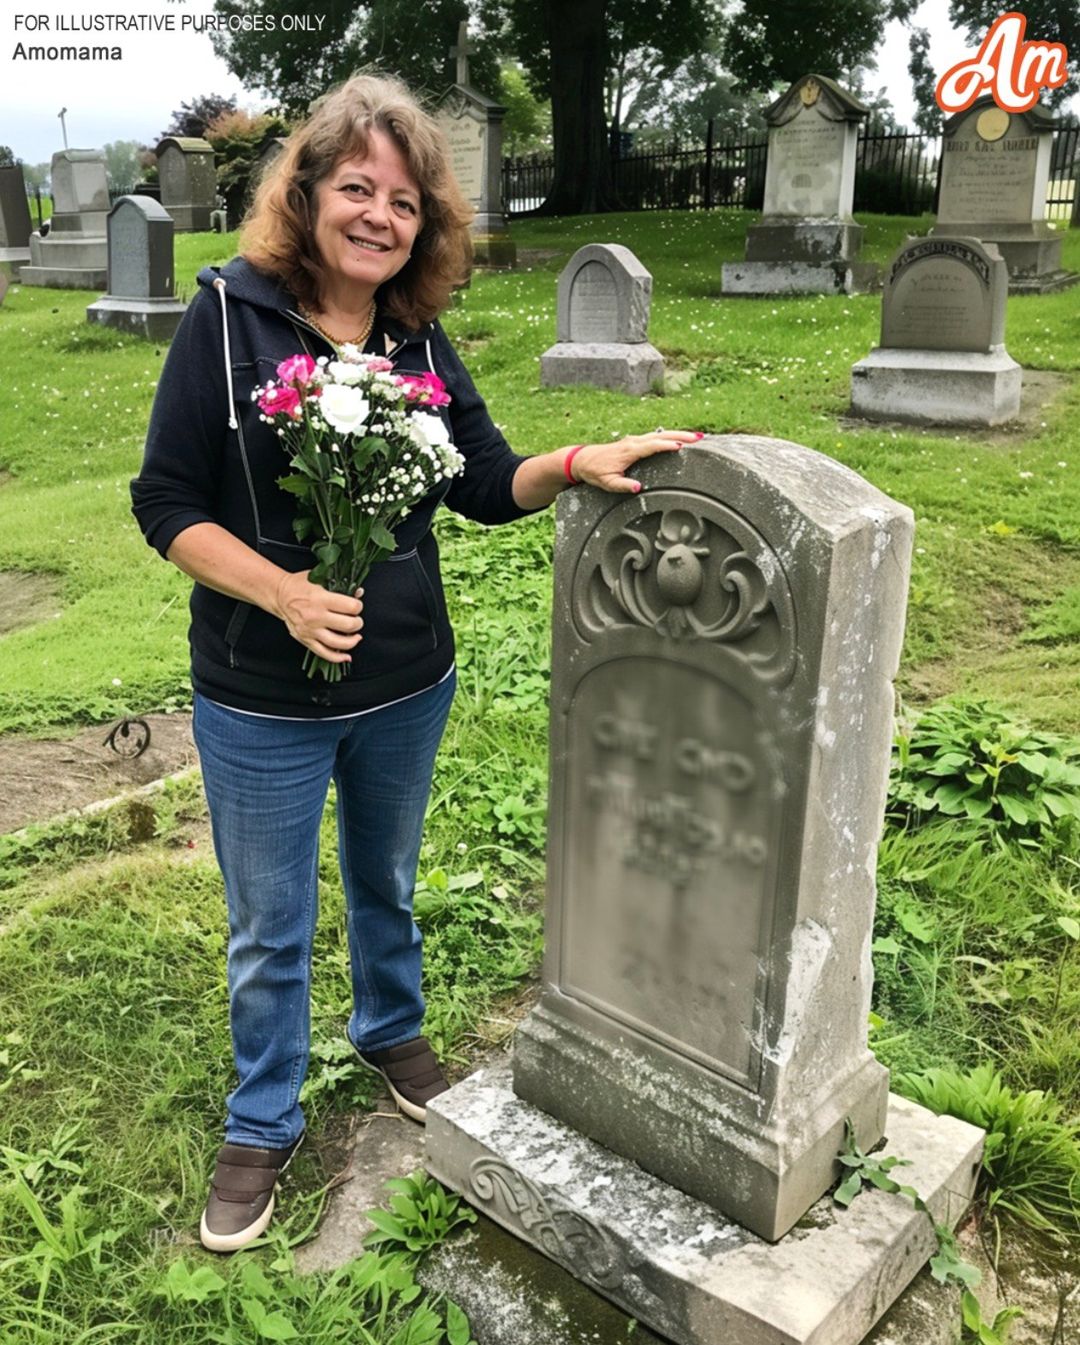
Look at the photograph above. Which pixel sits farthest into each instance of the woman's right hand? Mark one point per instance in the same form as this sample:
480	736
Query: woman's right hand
327	623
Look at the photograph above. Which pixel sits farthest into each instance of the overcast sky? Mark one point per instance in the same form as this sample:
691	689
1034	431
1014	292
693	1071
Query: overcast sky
132	99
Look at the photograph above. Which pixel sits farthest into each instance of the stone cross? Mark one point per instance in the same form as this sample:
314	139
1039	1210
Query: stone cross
462	52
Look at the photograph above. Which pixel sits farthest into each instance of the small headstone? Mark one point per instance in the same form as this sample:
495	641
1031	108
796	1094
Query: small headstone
188	181
4	282
942	357
604	299
73	253
994	173
724	646
141	295
807	240
15	226
219	221
268	155
473	126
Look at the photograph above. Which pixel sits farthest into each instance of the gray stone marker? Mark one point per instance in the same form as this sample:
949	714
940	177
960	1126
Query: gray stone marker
74	253
994	173
141	295
472	124
15	226
723	653
942	356
807	240
604	297
188	181
4	282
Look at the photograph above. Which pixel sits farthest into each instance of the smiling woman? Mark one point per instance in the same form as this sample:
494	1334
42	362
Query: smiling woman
356	240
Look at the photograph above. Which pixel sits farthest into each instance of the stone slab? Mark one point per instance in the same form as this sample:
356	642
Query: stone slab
1050	283
635	369
152	319
936	387
788	278
386	1146
673	1262
64	278
813	241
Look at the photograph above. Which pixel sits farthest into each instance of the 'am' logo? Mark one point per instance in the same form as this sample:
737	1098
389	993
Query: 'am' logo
1013	70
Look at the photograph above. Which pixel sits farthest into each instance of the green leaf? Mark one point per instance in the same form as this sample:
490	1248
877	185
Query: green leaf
457	1326
1014	810
912	922
382	536
886	945
276	1326
328	552
1069	926
849	1188
295	485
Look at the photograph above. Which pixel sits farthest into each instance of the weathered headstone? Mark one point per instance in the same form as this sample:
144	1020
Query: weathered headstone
942	356
15	223
472	124
721	713
73	255
807	240
602	328
141	295
188	181
268	155
994	172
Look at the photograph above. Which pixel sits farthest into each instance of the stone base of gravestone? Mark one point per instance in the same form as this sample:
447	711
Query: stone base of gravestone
68	260
936	387
494	252
812	241
764	278
1032	253
14	259
152	319
675	1263
635	368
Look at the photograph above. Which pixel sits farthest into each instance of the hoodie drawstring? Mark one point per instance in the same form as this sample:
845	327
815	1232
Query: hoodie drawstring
219	285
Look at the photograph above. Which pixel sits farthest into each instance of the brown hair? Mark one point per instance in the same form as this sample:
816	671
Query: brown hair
277	233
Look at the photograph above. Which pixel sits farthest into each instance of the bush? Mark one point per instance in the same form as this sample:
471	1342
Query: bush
970	758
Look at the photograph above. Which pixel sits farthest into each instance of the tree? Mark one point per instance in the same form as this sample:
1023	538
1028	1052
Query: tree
1047	21
7	157
192	119
651	43
399	37
237	137
527	125
122	165
928	115
773	42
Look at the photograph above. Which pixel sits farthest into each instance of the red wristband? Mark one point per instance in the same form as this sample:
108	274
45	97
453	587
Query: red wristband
568	460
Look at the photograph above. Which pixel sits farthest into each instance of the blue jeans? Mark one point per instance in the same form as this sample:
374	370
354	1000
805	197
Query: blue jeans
266	782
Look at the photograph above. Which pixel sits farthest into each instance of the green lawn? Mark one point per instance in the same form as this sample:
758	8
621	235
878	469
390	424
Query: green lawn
113	1045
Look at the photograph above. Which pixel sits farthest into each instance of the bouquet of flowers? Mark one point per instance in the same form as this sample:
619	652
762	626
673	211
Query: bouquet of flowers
365	445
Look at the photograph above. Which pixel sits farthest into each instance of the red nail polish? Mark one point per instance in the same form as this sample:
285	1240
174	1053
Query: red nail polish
637	487
700	434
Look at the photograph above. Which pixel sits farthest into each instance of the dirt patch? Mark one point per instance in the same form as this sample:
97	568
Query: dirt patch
44	777
26	599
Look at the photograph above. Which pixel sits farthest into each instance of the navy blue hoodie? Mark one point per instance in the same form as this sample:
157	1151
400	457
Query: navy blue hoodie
209	458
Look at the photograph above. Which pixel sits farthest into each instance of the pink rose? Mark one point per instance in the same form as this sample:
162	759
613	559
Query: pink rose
378	364
426	389
279	401
297	370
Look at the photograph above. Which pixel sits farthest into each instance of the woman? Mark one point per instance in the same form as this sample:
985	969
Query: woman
358	236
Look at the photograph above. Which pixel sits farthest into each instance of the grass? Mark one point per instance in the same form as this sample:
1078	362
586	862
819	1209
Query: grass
113	1044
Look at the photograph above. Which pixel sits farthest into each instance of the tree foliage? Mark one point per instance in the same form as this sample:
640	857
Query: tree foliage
928	115
527	124
773	42
398	37
7	157
122	163
1047	21
237	137
192	119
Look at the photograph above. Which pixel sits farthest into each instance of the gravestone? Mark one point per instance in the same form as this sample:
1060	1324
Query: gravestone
4	282
473	126
724	646
807	241
268	156
141	295
994	173
74	254
602	327
942	356
188	181
15	223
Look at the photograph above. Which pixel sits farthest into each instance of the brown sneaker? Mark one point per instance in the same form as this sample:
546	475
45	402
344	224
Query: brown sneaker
242	1195
412	1073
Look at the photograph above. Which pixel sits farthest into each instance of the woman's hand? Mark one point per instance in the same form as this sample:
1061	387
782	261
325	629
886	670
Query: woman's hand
605	465
327	623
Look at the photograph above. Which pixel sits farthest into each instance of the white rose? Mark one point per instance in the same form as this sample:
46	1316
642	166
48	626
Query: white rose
343	408
428	431
341	372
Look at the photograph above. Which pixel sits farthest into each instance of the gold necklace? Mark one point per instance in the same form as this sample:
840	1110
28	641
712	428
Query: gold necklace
357	340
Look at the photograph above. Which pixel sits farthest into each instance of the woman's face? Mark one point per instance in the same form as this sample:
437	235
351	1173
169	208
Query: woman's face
367	215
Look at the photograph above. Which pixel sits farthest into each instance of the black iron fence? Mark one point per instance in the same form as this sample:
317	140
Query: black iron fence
896	173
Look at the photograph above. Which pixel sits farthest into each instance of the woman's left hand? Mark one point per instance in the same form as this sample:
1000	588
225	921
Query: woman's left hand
605	465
